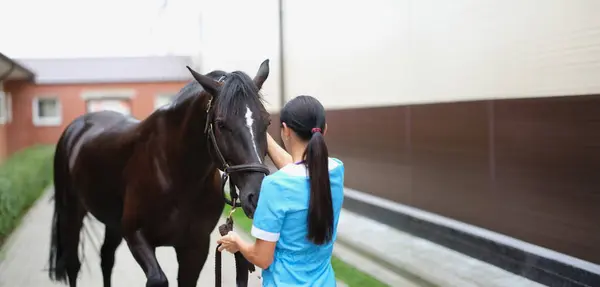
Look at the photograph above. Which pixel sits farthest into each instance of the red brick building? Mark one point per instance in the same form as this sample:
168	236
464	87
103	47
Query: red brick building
40	97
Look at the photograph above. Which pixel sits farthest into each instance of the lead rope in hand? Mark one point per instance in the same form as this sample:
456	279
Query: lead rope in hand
242	266
226	227
223	230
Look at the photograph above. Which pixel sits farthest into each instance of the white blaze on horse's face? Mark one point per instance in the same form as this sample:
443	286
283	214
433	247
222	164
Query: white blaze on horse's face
250	126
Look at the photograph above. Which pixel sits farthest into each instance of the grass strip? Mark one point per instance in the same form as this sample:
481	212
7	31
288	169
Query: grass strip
23	178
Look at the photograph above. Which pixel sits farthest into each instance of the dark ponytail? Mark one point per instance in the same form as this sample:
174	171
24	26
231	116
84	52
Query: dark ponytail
306	117
320	209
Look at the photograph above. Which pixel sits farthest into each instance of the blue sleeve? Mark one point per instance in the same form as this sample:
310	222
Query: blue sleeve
270	211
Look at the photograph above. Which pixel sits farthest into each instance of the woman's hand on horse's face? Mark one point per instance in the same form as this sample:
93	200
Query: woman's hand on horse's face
229	242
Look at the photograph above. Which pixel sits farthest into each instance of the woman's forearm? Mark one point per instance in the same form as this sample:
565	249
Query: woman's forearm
278	155
249	252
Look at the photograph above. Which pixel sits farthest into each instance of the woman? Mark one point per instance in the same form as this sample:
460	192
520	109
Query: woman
298	209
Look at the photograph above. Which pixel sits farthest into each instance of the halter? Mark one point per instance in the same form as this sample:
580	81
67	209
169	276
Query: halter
225	166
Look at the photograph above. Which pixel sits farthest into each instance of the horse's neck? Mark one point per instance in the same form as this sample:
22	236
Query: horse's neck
188	136
193	121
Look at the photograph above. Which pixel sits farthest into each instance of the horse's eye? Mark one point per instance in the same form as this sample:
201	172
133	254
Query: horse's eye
220	124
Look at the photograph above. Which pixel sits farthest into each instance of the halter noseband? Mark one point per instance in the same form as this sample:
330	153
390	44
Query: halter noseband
225	166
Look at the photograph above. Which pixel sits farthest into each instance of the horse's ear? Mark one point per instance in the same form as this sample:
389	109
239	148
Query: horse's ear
262	74
207	83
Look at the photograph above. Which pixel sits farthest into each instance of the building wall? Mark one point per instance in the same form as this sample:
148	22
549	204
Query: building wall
3	137
22	132
526	168
3	141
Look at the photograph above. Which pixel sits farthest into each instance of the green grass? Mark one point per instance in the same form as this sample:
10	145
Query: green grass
23	178
343	271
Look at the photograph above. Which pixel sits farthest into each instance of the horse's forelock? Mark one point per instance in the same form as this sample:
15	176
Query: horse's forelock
238	93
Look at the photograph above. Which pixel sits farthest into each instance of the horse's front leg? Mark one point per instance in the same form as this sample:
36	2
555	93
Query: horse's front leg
142	251
191	257
146	257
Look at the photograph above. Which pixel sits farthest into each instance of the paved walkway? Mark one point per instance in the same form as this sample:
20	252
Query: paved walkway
23	260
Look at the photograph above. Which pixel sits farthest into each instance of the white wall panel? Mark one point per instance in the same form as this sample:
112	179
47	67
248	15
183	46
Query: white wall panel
386	52
347	53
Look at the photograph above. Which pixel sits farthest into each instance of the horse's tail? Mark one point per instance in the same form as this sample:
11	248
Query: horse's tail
57	267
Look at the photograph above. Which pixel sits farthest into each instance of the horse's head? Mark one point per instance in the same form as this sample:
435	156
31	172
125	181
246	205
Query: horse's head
238	122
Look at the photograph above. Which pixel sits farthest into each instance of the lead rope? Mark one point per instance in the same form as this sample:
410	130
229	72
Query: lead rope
242	266
223	229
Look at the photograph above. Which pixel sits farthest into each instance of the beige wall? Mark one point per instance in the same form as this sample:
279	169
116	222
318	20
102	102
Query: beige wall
387	52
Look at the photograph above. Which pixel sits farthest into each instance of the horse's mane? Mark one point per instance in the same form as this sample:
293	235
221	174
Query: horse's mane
193	88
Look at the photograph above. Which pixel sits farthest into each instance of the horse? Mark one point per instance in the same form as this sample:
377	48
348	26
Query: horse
157	182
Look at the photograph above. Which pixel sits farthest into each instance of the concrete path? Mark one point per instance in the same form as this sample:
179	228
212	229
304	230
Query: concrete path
23	260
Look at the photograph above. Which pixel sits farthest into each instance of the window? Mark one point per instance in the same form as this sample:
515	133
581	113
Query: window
47	111
8	107
3	108
163	100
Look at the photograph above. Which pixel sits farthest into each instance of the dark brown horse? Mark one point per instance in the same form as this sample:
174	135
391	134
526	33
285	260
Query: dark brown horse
156	182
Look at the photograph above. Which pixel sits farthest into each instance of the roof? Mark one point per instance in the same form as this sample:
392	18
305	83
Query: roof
109	70
11	70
